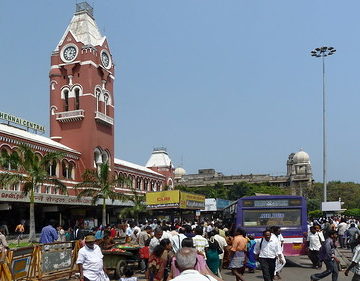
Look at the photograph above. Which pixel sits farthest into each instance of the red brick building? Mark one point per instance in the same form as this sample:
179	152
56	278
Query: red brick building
82	105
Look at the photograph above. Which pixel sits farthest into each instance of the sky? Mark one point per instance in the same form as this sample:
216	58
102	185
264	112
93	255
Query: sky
223	84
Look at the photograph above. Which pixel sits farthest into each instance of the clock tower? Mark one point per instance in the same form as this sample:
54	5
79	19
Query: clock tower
81	91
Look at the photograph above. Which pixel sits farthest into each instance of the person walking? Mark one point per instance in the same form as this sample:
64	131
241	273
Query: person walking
177	239
268	250
20	229
314	241
159	262
327	255
222	244
186	262
212	254
237	254
200	242
49	233
276	231
158	232
251	259
352	233
144	235
342	227
90	261
355	263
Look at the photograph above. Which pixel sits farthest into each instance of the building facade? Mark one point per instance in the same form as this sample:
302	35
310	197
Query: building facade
82	106
297	178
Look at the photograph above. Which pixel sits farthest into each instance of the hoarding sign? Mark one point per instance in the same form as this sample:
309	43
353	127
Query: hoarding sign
163	199
192	201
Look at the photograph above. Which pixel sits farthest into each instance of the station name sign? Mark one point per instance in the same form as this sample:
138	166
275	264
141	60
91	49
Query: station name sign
22	122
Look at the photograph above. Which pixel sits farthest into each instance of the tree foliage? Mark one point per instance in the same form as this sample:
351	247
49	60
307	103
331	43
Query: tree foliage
99	184
32	171
138	206
235	191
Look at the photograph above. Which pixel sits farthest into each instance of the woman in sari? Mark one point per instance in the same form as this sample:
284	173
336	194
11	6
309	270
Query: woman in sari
212	254
159	261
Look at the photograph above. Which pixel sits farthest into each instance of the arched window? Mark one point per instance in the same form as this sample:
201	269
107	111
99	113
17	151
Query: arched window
106	102
65	169
48	189
66	100
77	98
97	95
5	155
138	183
52	169
71	171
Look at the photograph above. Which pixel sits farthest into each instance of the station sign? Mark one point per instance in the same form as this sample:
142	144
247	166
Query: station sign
21	122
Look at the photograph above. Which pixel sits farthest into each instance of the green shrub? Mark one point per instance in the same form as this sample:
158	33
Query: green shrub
315	214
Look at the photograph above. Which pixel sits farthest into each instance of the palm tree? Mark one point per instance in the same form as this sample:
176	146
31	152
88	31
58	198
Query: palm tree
33	173
139	206
100	184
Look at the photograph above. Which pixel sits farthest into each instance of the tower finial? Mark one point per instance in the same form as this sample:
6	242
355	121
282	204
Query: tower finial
84	7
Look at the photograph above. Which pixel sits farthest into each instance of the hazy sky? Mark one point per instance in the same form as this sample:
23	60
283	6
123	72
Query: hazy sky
222	84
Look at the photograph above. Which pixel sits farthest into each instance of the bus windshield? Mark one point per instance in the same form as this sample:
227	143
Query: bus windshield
266	217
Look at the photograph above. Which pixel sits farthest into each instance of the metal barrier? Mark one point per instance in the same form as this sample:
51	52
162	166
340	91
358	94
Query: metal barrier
41	262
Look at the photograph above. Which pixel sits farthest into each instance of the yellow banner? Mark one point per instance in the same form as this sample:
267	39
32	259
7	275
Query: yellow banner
169	198
192	201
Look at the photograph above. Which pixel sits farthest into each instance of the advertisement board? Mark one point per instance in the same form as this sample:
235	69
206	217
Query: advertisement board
174	199
163	199
192	201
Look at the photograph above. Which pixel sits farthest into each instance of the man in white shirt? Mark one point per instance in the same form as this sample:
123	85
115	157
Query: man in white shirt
355	263
90	261
315	240
268	250
156	239
341	228
200	243
177	239
185	262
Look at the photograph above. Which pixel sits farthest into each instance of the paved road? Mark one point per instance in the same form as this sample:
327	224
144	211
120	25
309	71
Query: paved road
288	274
297	269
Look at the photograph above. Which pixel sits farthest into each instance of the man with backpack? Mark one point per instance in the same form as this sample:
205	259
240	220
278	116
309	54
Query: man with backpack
352	233
327	255
268	250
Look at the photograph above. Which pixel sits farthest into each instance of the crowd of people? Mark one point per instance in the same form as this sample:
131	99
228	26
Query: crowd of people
168	249
216	247
324	236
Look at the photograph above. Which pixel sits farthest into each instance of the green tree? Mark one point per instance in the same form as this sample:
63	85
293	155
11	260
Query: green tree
100	184
138	206
33	173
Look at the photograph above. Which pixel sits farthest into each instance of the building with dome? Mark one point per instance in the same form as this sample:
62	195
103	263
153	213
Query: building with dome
81	113
297	178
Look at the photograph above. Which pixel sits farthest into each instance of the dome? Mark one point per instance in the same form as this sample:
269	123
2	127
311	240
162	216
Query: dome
179	172
301	157
159	159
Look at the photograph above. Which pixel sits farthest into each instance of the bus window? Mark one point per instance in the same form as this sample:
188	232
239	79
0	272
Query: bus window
266	217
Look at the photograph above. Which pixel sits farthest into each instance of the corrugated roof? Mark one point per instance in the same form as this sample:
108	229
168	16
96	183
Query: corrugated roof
16	132
135	166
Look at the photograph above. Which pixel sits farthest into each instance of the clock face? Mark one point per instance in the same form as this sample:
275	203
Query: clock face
105	59
69	53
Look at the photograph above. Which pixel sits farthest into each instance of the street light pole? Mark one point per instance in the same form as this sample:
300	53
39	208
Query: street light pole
324	52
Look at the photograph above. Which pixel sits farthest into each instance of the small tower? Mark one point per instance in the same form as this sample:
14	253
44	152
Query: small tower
160	162
299	172
81	90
